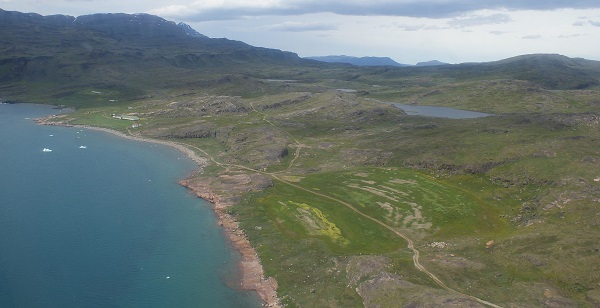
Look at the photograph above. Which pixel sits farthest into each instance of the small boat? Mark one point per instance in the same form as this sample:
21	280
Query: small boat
83	147
46	150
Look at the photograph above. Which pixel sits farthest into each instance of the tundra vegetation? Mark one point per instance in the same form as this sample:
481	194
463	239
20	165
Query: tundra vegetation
502	208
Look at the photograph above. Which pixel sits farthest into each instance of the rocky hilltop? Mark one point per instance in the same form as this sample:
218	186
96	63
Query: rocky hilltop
144	25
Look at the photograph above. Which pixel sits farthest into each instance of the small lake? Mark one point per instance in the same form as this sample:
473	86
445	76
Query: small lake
281	80
440	112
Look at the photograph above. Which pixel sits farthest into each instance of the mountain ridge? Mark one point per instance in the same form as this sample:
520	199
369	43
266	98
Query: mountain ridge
115	49
110	23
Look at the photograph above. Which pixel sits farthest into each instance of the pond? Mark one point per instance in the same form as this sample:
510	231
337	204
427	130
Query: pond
440	112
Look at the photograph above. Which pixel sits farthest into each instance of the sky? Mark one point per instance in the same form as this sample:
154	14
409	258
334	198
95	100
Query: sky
408	31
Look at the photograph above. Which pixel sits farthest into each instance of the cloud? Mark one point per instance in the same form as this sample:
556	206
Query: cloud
303	27
498	32
532	37
571	35
586	23
234	9
410	27
418	27
478	20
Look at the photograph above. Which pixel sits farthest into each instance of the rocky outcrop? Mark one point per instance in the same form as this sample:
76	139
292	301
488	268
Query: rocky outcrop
15	18
371	277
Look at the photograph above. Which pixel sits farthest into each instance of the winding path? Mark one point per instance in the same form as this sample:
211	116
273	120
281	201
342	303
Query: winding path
411	245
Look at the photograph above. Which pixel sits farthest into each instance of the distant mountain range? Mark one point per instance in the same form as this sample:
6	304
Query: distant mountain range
370	61
431	63
51	55
359	61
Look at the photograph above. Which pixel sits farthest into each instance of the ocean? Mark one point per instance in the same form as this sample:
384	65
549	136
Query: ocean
95	220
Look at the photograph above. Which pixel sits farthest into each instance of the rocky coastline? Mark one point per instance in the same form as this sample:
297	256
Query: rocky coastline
252	274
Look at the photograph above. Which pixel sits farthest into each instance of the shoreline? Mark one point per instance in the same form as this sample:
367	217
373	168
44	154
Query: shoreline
252	274
251	270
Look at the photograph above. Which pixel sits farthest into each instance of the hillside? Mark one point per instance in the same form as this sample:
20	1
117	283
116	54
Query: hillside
347	200
52	54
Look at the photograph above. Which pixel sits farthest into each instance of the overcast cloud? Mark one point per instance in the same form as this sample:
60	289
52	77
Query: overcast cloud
408	31
219	9
302	27
480	20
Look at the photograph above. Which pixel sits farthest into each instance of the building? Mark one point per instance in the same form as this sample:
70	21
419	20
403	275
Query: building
126	117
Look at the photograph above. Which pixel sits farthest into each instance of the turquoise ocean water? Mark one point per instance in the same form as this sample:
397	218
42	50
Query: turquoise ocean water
106	225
